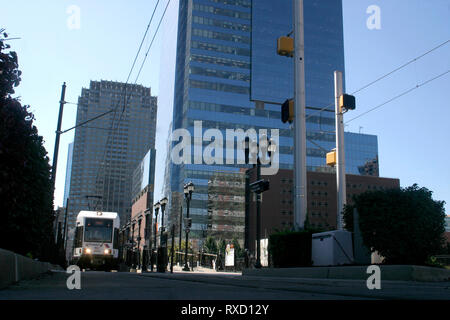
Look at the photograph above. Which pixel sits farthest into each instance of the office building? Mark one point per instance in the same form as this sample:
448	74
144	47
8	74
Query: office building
142	209
68	172
278	206
107	151
229	76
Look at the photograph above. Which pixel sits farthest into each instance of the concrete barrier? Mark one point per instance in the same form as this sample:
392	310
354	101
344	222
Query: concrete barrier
388	272
15	267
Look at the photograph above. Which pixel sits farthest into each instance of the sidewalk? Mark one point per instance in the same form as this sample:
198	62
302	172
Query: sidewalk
201	270
391	290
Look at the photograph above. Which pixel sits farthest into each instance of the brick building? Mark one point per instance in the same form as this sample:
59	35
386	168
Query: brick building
139	228
277	209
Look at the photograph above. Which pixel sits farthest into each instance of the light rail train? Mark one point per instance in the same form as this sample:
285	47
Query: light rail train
96	243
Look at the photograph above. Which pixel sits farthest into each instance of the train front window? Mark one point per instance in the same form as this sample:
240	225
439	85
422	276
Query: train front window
98	230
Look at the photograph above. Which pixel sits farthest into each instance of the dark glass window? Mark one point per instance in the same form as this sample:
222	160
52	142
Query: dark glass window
98	230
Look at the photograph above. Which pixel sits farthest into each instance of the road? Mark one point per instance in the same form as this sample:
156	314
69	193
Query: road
197	286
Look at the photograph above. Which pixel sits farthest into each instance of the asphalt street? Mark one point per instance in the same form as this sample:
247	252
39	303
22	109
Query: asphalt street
203	286
132	286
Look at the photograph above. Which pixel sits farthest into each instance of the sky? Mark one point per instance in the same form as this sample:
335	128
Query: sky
413	136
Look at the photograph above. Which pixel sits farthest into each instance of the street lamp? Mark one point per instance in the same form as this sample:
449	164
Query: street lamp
163	204
188	190
162	238
259	186
156	206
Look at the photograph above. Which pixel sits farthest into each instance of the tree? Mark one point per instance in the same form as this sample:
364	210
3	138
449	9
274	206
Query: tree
221	247
210	245
405	226
26	192
239	252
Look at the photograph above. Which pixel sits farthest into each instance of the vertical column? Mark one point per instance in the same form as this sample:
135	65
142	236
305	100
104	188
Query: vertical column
340	151
300	200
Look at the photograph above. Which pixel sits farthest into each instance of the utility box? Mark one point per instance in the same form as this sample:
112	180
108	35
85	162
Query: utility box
332	248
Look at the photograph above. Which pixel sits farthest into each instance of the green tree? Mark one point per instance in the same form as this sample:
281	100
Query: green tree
405	226
183	246
26	192
239	252
210	245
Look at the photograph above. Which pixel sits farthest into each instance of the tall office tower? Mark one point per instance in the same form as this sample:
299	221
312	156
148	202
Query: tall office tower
229	76
68	171
107	151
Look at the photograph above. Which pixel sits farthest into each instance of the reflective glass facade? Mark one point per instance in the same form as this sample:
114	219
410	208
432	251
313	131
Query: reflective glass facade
227	63
68	171
104	160
361	154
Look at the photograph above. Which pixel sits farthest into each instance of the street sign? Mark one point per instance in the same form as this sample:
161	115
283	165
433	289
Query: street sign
260	186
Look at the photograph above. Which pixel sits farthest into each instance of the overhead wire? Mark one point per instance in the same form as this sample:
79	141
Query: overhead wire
114	128
384	76
400	95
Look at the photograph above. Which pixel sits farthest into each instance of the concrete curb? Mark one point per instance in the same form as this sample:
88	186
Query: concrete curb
392	290
14	268
392	273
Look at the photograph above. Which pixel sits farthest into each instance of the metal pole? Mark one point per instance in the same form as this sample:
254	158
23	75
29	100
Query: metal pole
247	209
340	151
150	242
156	231
300	200
173	248
139	245
58	134
258	218
186	267
65	228
179	239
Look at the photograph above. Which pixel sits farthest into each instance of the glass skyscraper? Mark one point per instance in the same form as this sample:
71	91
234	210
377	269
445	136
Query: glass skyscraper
229	76
68	172
107	151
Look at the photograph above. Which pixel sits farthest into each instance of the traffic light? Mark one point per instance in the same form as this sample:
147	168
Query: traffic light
285	46
287	111
347	102
188	223
331	158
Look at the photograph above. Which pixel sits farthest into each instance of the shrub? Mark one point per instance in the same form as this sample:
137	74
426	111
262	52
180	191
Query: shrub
405	226
290	249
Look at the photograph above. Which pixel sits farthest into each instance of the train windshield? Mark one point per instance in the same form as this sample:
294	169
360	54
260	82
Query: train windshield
98	230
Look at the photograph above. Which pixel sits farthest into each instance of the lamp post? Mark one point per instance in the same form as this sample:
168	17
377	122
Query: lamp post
188	190
147	234
156	206
163	204
162	237
259	186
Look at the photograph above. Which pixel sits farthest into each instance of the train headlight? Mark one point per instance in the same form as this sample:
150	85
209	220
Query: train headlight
88	251
107	251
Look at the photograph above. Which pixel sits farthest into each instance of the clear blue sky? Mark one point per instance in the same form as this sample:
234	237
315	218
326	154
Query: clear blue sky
412	131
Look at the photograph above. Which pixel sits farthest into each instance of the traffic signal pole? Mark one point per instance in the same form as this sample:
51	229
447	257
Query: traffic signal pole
258	216
340	149
58	134
300	200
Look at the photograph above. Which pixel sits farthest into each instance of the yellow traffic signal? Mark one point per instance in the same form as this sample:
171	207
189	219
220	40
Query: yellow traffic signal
285	46
347	102
287	111
331	158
